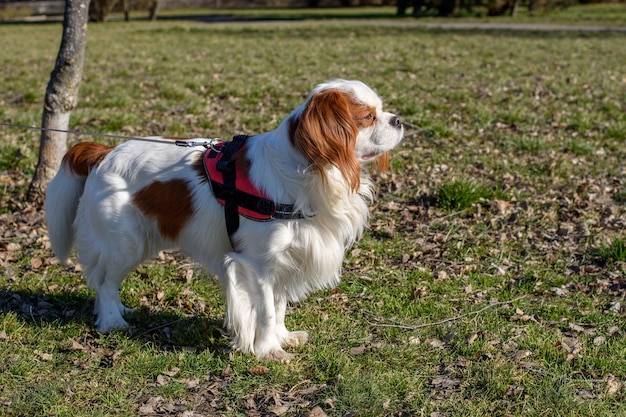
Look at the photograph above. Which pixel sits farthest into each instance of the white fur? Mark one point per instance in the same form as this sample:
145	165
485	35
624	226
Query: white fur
275	262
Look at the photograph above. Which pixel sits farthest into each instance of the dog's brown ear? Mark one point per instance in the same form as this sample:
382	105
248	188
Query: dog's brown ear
381	164
325	133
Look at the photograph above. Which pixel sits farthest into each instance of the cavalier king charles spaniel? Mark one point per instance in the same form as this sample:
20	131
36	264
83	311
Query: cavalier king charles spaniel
121	205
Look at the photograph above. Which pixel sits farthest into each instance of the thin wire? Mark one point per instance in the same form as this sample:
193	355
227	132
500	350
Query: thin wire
185	142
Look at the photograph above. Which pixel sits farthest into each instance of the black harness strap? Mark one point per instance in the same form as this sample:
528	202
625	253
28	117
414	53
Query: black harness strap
227	167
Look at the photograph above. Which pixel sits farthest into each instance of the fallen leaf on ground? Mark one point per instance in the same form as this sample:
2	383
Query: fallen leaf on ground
316	412
259	370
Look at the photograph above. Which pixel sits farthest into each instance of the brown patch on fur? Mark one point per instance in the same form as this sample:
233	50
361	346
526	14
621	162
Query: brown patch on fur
198	166
84	156
325	133
241	160
381	164
169	203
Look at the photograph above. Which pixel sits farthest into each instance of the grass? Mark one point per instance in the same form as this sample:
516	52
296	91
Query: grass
614	252
510	308
461	195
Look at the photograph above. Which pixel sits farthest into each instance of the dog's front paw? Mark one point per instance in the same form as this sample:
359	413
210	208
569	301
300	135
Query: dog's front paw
106	324
294	339
276	355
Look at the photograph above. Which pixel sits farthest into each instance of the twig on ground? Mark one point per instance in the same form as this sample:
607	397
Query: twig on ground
449	319
152	329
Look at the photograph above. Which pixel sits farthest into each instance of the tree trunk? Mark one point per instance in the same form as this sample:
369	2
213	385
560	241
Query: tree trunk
515	8
446	8
417	7
154	10
61	97
126	5
402	6
100	10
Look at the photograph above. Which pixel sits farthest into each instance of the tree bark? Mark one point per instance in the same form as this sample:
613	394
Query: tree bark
61	97
515	8
154	10
446	8
126	5
402	6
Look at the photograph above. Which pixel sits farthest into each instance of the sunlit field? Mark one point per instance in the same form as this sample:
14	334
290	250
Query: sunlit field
491	281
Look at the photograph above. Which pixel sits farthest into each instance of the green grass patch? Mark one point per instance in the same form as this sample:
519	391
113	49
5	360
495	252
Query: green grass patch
613	252
461	195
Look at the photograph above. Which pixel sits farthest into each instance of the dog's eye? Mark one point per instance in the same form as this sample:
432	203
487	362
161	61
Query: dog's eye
369	117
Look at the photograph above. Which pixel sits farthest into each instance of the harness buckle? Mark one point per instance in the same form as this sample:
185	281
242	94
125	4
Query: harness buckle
215	148
265	206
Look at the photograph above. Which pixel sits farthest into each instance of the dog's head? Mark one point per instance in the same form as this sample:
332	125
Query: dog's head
342	124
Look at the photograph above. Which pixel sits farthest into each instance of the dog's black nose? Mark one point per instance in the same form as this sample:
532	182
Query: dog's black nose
395	121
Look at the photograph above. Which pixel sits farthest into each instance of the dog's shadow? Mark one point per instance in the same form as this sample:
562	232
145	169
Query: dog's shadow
165	330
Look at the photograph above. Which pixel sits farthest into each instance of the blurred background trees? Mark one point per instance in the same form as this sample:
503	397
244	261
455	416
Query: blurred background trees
448	8
100	10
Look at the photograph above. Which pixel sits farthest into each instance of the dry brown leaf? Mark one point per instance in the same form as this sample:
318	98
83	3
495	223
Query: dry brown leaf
36	262
615	307
514	390
586	395
435	343
613	385
76	345
445	382
191	383
259	370
12	247
188	276
357	350
172	372
316	412
600	340
519	355
162	380
150	406
509	346
279	410
43	356
473	337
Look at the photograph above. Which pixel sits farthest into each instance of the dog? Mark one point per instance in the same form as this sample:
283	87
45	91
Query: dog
120	205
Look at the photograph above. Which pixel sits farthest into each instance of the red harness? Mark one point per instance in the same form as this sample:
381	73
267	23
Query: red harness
253	203
234	190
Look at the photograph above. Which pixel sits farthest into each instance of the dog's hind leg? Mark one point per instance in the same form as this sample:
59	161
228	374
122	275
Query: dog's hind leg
107	251
240	319
105	278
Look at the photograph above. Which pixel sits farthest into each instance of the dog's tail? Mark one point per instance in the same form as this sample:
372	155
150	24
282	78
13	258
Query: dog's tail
64	192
